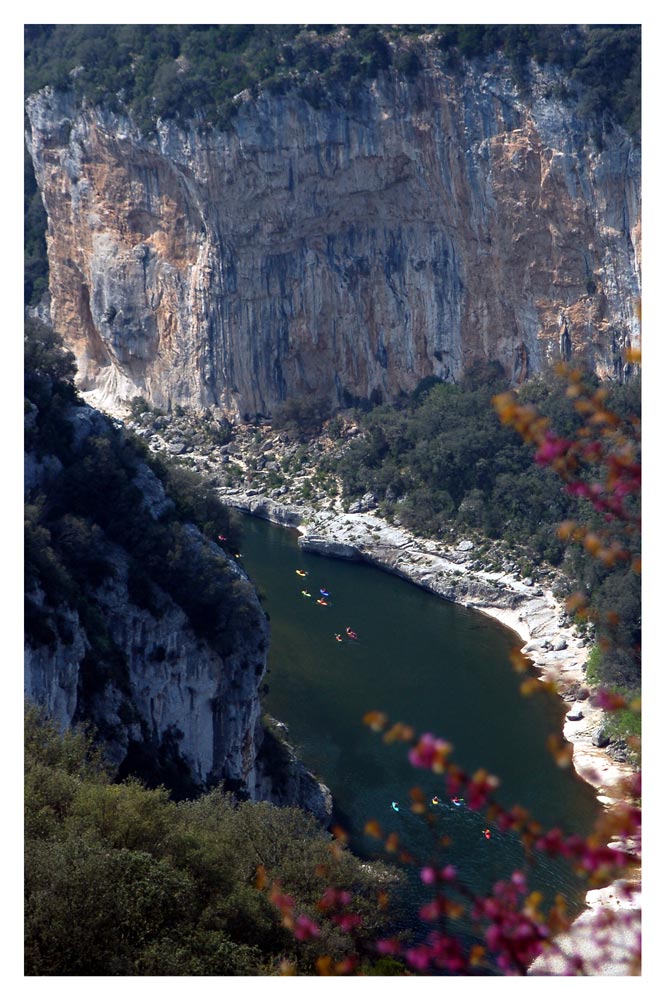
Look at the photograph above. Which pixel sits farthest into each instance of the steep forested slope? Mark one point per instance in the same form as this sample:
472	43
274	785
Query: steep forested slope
136	618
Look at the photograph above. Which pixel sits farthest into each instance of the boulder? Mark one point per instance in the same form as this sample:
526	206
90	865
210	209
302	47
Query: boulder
600	737
367	502
576	692
314	543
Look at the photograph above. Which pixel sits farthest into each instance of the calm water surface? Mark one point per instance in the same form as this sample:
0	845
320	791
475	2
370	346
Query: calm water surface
426	662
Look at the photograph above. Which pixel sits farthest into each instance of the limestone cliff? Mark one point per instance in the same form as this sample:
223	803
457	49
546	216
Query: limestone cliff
167	701
337	253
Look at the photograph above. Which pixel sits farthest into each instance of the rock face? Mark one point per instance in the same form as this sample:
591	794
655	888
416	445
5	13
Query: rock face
176	693
174	700
338	254
175	690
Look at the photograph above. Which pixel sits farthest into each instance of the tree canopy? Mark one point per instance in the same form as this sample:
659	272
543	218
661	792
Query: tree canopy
122	881
440	461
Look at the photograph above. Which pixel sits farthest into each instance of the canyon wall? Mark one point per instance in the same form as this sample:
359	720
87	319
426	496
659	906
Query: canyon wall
338	254
172	706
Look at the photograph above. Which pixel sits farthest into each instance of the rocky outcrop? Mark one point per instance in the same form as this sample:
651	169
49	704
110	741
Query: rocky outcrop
338	254
170	686
283	778
174	691
327	547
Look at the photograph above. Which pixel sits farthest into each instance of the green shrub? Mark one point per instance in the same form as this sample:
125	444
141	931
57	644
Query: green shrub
122	881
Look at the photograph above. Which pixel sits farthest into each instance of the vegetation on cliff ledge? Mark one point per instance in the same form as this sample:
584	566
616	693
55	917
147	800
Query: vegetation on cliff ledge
196	72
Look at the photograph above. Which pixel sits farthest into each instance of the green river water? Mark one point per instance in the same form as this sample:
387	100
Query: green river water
426	662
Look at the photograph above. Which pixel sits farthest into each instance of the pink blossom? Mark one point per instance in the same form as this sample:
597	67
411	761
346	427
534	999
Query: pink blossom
305	928
551	448
418	957
348	921
430	752
387	946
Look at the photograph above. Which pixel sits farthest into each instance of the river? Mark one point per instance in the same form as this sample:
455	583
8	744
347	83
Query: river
428	663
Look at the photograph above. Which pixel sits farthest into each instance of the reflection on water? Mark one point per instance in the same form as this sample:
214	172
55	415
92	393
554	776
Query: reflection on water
425	662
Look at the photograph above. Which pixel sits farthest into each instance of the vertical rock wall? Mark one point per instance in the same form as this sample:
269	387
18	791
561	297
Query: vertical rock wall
339	253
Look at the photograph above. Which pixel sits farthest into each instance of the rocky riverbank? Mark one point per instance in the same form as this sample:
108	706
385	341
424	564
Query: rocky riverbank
549	640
